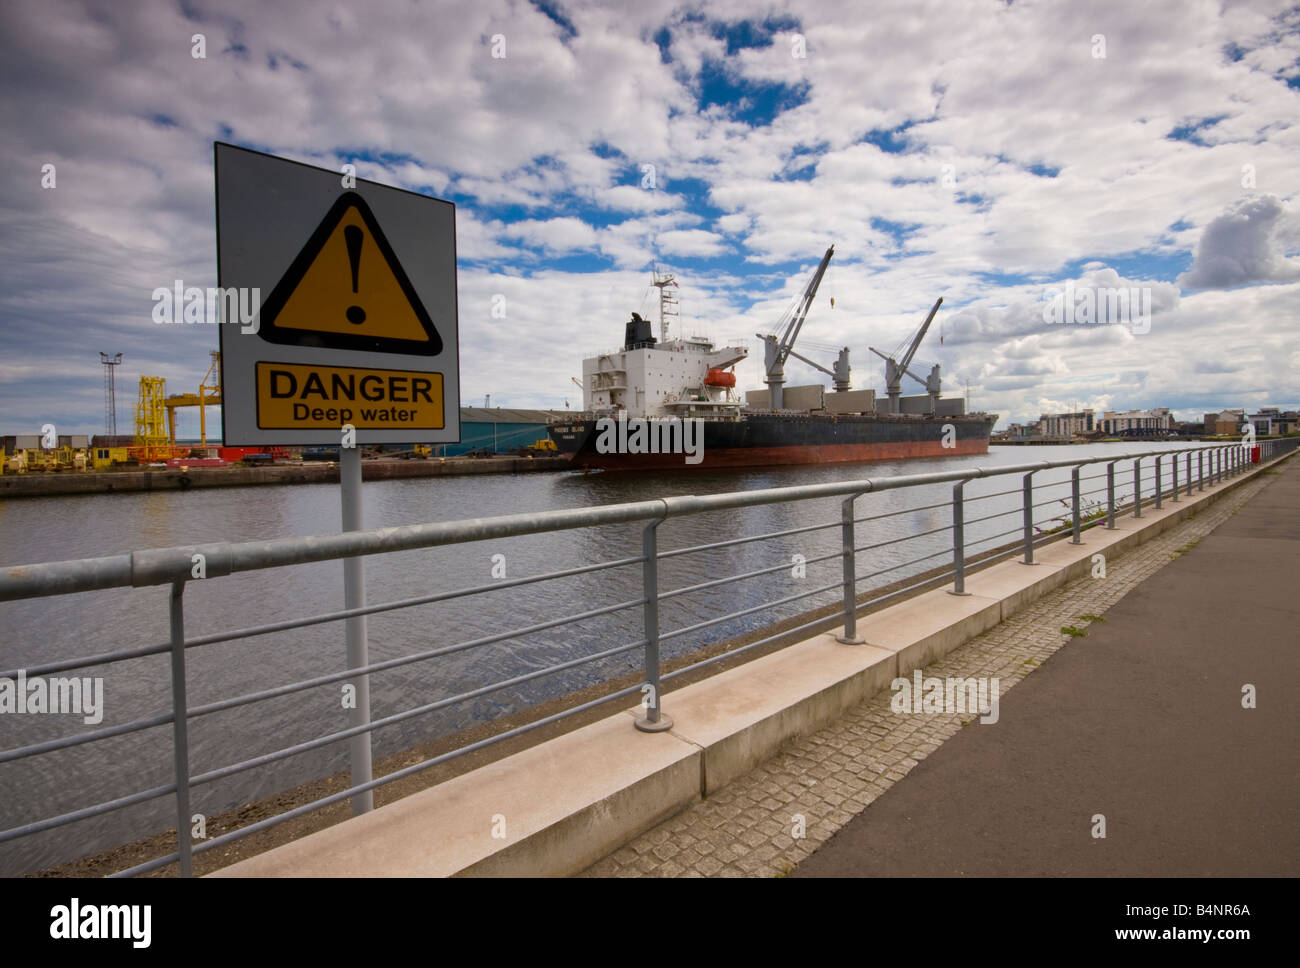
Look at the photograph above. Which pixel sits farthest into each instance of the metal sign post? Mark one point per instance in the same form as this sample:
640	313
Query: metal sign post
358	649
339	328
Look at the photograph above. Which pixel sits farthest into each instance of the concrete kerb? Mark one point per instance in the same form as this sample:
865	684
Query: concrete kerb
565	803
553	809
740	717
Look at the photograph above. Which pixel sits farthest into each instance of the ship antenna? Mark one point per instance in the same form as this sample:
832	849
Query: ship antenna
667	300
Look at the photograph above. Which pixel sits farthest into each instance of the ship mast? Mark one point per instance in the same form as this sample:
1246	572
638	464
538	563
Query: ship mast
667	300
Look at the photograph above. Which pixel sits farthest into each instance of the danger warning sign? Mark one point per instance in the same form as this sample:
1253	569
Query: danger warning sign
290	396
357	338
346	290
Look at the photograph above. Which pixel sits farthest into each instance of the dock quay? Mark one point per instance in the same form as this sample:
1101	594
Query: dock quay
182	479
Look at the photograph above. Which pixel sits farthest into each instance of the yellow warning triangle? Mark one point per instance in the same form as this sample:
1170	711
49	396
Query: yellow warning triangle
347	290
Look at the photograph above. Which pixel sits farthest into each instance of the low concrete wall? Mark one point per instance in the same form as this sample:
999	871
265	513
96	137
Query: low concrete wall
568	802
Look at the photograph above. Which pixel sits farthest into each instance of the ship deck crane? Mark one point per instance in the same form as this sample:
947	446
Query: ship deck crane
777	351
840	373
894	369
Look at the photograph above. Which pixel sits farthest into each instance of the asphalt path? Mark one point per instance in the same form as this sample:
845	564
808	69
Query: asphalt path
1141	721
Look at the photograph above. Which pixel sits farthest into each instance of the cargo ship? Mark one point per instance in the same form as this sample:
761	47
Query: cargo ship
671	403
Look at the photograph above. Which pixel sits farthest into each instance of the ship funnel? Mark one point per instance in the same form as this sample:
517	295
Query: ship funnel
637	333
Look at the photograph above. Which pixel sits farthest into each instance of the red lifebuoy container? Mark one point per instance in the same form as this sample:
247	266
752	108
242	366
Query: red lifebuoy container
719	378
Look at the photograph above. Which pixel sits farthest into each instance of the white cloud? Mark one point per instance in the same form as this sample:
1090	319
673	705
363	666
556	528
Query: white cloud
1238	248
690	242
557	236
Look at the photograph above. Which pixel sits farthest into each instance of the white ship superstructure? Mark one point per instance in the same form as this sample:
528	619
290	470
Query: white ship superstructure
680	377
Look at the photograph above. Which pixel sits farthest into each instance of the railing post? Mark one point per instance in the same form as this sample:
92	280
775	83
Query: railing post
1028	513
1137	487
848	537
654	721
1200	470
180	730
1074	504
355	640
1110	495
1173	468
959	540
1159	481
1189	473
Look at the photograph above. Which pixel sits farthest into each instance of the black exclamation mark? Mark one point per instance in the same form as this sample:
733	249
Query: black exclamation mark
353	236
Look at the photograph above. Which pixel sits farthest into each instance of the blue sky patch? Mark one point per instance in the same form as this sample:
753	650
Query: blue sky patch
892	140
553	12
756	103
1158	266
1191	130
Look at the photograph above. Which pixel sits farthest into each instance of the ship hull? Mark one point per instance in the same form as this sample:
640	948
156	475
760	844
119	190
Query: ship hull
772	440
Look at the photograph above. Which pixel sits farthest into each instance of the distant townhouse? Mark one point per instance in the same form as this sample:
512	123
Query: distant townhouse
1224	423
1019	431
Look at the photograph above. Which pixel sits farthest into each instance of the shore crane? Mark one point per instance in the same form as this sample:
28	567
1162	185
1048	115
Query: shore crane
894	369
777	351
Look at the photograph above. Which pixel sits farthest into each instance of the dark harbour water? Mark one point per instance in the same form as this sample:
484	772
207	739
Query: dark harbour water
58	528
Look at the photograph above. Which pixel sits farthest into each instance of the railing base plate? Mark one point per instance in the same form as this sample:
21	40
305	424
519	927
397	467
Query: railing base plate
665	723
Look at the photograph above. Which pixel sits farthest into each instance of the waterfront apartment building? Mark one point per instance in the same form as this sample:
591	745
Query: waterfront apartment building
1271	420
1067	424
1157	421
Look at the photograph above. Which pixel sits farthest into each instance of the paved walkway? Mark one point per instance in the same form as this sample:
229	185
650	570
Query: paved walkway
1140	721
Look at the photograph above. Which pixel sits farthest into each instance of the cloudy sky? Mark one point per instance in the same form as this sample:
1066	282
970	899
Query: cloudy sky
986	152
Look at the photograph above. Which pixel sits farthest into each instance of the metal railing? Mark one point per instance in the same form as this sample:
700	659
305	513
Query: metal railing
177	568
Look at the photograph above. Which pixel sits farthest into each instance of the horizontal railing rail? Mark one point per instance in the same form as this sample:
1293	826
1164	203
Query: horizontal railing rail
1148	479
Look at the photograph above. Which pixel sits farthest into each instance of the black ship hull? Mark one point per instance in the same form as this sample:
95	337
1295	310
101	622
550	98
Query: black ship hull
759	440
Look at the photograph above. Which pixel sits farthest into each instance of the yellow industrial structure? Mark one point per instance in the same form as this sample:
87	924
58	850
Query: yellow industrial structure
209	395
105	457
67	456
150	431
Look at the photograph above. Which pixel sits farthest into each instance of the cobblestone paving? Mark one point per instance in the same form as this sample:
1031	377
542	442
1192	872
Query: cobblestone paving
746	828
